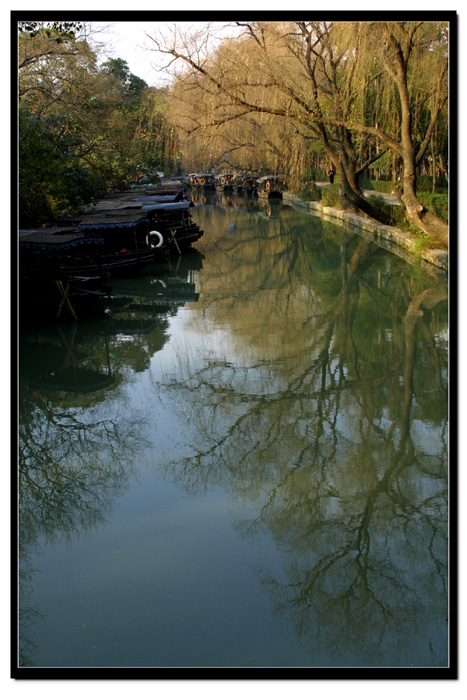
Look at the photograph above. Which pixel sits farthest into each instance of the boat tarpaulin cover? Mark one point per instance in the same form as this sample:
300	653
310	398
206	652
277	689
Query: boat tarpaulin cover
115	220
50	240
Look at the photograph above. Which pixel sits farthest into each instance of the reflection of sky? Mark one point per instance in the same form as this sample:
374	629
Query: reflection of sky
168	579
181	570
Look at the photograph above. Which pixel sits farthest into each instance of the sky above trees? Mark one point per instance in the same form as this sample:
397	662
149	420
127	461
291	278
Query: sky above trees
130	41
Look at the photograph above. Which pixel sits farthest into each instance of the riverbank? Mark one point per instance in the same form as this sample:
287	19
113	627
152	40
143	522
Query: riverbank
389	237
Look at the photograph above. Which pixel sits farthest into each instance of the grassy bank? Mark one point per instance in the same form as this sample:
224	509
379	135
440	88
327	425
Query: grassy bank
437	202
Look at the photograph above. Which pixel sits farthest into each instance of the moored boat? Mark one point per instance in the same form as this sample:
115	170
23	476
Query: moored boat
249	184
171	224
270	187
100	245
113	240
46	286
117	236
237	184
223	182
204	181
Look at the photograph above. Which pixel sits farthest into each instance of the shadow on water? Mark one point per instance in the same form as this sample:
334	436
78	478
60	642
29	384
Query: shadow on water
73	462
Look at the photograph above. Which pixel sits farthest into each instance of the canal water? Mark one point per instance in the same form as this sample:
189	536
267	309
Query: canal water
241	460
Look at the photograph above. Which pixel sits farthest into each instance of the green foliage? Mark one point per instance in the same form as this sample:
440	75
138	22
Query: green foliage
380	203
398	217
52	179
59	31
118	69
310	192
330	196
425	184
396	212
422	243
437	203
83	130
385	186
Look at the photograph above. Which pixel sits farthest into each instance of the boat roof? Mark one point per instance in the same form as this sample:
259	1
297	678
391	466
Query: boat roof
114	219
161	198
166	206
52	231
268	177
53	239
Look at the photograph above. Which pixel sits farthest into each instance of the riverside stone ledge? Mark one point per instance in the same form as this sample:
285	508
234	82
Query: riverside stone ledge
437	257
369	225
400	237
394	236
302	203
356	220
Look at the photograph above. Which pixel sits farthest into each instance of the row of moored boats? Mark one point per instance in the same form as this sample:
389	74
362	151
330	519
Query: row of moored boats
72	261
267	186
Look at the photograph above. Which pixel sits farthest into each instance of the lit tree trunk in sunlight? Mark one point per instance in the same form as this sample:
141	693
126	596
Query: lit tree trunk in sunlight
416	212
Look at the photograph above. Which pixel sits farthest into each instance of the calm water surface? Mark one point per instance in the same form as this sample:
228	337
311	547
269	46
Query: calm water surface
242	461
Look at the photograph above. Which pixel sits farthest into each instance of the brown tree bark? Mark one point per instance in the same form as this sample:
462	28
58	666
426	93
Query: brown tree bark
416	212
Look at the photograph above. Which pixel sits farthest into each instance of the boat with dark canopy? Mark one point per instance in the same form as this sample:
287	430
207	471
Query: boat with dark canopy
204	181
116	236
270	187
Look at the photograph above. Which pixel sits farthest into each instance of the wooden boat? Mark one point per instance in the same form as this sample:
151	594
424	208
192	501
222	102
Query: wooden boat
223	182
46	286
204	181
112	240
249	184
176	187
65	274
166	188
66	267
237	183
270	187
160	228
172	221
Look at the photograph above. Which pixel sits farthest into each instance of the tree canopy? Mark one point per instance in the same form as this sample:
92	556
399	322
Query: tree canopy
84	126
291	96
353	92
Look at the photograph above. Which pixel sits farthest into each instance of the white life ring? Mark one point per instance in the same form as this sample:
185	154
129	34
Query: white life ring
150	239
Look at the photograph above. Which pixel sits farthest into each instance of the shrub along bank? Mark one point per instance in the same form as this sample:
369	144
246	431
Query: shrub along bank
325	200
437	202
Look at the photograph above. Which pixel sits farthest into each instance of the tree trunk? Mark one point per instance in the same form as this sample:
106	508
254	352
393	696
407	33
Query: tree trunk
355	203
425	220
415	211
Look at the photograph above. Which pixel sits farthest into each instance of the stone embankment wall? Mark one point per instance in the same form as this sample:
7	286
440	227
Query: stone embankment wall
389	237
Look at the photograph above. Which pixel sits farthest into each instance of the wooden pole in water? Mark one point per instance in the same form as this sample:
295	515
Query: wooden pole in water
65	299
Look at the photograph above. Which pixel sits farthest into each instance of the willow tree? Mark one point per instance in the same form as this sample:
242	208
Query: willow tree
415	57
270	70
315	75
216	130
404	65
216	134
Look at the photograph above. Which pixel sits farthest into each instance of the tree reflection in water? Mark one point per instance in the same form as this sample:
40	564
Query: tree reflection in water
310	382
78	432
326	408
